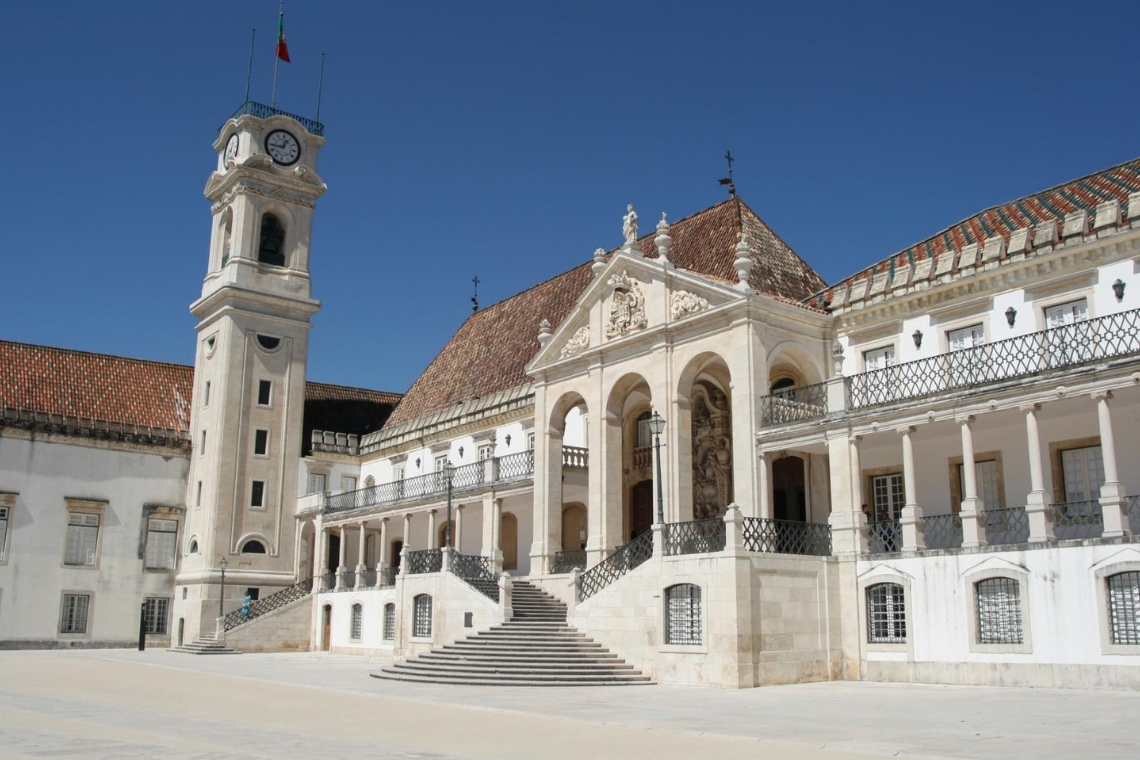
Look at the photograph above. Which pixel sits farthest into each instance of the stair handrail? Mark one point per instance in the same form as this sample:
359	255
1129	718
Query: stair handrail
476	571
615	566
270	603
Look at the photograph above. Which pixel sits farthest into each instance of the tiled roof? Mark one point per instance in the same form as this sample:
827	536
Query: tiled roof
490	351
1114	183
120	390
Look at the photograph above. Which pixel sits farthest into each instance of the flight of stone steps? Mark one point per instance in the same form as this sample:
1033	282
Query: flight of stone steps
535	648
207	644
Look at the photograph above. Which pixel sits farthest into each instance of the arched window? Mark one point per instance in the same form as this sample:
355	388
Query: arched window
271	248
644	436
886	614
389	632
782	384
1124	607
357	623
369	482
998	607
193	546
227	235
253	546
683	614
421	616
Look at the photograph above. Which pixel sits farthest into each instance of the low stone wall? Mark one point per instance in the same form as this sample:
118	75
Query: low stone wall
286	629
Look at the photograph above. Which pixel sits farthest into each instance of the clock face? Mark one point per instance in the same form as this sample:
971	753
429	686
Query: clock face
231	148
282	147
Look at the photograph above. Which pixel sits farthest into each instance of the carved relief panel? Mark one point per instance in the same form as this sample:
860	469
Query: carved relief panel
627	307
712	451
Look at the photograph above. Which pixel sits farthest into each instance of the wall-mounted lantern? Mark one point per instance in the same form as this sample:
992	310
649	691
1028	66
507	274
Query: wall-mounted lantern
1118	289
917	338
507	438
1010	316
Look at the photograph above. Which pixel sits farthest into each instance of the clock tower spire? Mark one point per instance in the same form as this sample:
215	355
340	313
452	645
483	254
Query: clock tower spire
249	366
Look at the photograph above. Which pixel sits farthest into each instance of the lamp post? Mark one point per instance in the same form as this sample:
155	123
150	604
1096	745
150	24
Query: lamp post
222	598
657	427
449	473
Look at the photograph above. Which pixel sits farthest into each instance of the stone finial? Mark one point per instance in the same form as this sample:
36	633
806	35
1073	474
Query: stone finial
599	262
743	263
663	241
629	227
837	357
544	333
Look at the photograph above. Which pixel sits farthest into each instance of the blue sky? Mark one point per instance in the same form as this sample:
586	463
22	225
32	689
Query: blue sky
504	139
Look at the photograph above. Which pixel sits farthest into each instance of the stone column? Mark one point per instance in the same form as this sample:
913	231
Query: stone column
340	568
361	563
1113	504
1037	509
407	545
496	520
973	510
382	560
457	539
764	470
547	528
433	536
606	514
856	474
848	523
320	550
910	521
679	458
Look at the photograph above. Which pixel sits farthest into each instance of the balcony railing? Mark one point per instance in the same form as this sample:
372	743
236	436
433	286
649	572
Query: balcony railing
786	537
643	457
575	456
942	531
884	536
695	537
518	466
263	111
808	402
1006	526
1056	348
1077	519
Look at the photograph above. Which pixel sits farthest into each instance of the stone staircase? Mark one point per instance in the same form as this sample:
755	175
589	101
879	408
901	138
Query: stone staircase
535	648
207	644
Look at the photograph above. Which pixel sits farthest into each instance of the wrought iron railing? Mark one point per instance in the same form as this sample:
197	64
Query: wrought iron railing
467	476
1134	513
368	579
942	531
424	561
263	111
386	577
274	601
1006	526
516	466
477	571
347	580
328	581
786	537
1056	348
884	536
807	402
616	565
566	561
575	456
1077	519
696	537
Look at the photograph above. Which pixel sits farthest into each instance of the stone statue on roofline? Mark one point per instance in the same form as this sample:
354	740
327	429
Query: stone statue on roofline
629	225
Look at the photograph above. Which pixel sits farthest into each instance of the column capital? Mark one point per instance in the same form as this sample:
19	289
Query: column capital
1034	407
906	430
1105	395
965	419
383	520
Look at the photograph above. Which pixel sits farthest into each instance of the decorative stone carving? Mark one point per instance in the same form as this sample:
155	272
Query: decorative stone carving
627	307
578	342
743	263
663	241
599	264
629	226
544	334
683	303
712	451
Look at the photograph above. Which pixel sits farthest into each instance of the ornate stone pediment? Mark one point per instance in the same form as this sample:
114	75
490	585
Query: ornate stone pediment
683	303
627	307
578	342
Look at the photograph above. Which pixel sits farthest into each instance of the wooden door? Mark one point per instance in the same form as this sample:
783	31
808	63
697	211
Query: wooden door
327	629
509	541
640	508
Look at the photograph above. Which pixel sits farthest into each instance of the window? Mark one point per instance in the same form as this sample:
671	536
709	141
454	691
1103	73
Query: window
967	365
644	436
683	614
347	483
399	474
253	592
986	476
1082	472
271	248
161	540
155	615
73	617
82	538
782	384
3	532
530	442
421	616
193	547
257	497
1124	608
998	606
268	342
198	495
317	482
1069	339
357	622
264	392
886	614
261	442
206	395
440	463
253	546
369	482
879	358
888	496
202	448
389	632
486	451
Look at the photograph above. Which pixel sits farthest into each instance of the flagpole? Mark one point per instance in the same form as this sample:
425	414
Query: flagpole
276	57
320	86
249	70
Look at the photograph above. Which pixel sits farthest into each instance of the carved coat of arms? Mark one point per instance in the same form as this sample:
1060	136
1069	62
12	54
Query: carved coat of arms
627	307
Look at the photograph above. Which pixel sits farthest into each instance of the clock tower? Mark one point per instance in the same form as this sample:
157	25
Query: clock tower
249	366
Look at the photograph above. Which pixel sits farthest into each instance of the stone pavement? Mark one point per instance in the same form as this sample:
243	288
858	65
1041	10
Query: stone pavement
125	704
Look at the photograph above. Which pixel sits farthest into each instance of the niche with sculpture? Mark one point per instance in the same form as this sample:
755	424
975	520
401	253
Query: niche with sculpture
712	451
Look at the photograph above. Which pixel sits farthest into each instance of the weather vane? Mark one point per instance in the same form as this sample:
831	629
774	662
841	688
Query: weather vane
475	296
728	180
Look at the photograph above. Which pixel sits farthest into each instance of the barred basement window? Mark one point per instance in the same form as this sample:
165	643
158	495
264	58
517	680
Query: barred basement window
421	615
886	614
683	614
1124	607
73	616
357	622
155	615
389	631
999	611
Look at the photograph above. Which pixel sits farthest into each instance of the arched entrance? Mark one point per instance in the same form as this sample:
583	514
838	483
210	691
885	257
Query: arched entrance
789	494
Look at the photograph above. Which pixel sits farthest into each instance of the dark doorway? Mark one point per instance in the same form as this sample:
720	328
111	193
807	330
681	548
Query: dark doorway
327	629
181	630
333	558
789	497
397	549
640	508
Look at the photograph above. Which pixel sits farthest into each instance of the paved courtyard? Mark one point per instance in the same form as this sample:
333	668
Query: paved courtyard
124	704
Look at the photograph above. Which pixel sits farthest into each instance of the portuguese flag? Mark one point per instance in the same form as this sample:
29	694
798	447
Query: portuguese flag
282	48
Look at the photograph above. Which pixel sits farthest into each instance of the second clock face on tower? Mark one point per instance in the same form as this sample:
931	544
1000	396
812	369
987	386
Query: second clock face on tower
282	147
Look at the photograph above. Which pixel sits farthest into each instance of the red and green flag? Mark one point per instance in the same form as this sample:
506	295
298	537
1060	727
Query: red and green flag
282	48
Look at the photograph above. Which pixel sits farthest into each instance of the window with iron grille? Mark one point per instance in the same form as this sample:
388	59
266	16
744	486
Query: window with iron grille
155	615
999	611
1124	607
421	615
389	631
357	622
161	538
3	531
73	617
886	614
683	614
82	538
